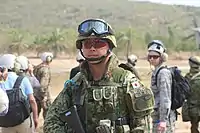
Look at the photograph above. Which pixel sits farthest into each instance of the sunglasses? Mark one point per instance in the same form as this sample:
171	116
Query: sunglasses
153	56
98	27
97	43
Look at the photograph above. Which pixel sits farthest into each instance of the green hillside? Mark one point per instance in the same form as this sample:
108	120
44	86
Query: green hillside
140	21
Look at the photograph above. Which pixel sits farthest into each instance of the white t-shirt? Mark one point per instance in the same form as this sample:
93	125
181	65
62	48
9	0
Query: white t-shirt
4	102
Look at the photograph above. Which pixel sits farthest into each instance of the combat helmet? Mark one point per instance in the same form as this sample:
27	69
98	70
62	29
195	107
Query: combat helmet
194	61
95	28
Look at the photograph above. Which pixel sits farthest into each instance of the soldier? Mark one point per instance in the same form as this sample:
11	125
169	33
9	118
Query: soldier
130	65
107	98
75	70
193	101
163	117
43	74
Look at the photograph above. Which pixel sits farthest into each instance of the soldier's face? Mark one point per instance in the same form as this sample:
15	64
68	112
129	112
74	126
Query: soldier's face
94	48
154	58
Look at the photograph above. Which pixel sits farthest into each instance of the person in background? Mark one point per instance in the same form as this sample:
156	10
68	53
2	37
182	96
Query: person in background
75	70
130	65
18	118
43	73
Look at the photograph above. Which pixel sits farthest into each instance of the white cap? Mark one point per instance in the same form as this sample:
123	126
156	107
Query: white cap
79	56
23	61
7	61
45	55
4	102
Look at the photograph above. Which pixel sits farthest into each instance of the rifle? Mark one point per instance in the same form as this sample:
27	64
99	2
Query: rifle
72	119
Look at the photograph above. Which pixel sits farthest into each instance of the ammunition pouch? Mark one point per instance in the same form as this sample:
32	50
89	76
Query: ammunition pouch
104	126
140	99
122	125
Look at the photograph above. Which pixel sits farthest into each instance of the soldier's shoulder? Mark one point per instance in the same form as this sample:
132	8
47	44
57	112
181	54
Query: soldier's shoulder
119	74
43	69
75	81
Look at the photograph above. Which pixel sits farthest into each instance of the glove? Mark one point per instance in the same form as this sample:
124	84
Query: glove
103	129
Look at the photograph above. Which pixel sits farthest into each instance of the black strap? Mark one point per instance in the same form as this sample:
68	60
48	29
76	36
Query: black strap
158	73
18	82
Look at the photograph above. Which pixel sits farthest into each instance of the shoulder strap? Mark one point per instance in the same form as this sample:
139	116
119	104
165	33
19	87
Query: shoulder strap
158	73
18	82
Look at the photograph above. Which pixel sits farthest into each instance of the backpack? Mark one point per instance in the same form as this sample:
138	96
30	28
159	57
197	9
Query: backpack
19	107
180	87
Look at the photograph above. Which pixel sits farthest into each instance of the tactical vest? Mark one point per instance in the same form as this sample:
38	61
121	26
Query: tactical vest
107	99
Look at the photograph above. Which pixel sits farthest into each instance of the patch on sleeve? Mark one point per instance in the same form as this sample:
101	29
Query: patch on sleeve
68	82
135	83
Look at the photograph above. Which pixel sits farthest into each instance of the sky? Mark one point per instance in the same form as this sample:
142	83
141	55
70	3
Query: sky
179	2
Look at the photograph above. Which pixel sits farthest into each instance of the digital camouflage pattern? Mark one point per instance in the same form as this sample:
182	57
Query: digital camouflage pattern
162	94
194	99
128	66
193	102
43	74
110	98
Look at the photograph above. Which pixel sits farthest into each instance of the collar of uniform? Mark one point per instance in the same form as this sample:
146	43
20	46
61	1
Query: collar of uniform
112	63
158	67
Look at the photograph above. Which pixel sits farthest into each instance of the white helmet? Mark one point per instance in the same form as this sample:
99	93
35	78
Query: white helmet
157	46
23	61
4	102
46	57
79	57
133	58
7	61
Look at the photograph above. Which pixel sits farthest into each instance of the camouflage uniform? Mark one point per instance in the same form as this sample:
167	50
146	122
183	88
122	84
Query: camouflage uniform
43	74
162	95
122	83
194	101
117	101
74	71
128	66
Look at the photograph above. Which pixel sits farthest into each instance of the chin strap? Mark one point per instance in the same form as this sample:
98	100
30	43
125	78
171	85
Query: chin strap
96	60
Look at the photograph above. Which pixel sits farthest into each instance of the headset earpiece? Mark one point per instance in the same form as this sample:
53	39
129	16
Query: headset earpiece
164	57
49	59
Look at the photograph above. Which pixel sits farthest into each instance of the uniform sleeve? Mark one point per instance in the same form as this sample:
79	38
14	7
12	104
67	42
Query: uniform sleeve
135	89
164	84
26	86
52	122
44	79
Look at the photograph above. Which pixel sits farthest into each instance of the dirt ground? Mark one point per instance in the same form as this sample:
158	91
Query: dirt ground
60	72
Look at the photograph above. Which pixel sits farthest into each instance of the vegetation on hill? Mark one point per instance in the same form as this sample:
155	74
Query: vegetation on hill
38	25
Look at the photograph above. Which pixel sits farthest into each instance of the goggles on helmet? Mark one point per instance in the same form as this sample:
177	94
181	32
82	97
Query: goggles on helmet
158	43
155	42
97	27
